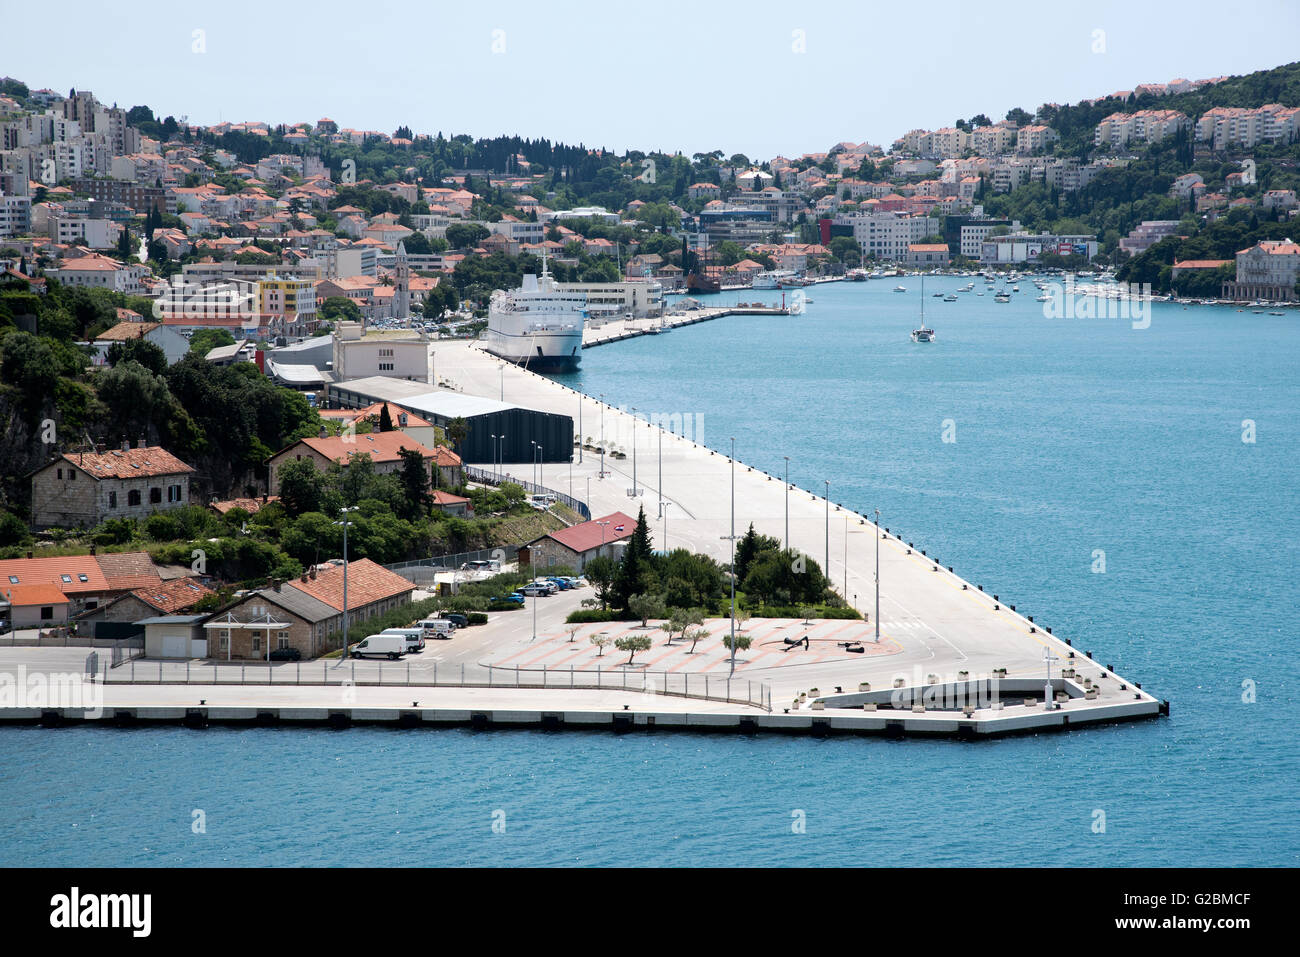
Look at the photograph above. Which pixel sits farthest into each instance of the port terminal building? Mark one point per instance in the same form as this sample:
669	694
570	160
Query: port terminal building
485	418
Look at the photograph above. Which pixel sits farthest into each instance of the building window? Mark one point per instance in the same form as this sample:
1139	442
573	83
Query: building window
47	612
72	475
223	641
133	497
173	493
282	640
112	500
155	496
59	473
257	642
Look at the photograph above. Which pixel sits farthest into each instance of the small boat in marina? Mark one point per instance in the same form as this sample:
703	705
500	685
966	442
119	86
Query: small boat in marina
925	333
900	289
950	298
1002	297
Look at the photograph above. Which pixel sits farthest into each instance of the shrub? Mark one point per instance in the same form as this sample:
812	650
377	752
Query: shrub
476	618
585	615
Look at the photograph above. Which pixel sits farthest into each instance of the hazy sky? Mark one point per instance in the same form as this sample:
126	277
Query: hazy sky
759	78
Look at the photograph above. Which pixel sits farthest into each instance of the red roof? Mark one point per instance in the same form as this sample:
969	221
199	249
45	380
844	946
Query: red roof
367	582
124	570
380	446
583	538
172	596
127	463
82	572
28	595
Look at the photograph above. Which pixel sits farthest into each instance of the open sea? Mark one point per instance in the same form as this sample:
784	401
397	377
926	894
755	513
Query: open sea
1098	479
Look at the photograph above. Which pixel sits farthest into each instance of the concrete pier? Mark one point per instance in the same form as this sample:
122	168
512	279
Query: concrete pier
939	633
616	330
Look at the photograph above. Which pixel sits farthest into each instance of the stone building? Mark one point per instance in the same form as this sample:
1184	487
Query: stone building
306	613
82	489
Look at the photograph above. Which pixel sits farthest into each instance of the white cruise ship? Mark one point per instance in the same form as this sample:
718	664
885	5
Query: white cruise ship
537	325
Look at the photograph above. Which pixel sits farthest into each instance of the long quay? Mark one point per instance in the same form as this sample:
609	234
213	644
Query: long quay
553	710
950	658
616	330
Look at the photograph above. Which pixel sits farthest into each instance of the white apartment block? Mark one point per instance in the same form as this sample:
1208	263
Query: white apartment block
520	231
887	235
15	215
1144	126
994	140
94	233
1035	139
1224	126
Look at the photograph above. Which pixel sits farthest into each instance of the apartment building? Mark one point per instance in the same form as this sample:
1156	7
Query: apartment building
1144	126
888	235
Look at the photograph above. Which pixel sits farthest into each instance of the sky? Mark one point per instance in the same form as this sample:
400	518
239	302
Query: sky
757	78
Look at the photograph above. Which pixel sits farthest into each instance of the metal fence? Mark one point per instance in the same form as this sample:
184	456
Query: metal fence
399	674
486	477
444	563
124	650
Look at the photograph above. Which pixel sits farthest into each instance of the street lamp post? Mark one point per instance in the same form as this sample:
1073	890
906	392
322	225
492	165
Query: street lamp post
733	555
503	380
636	489
828	526
877	576
602	435
663	513
541	465
787	502
345	523
494	456
661	467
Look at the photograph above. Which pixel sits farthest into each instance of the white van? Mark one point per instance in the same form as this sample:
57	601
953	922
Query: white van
394	646
437	627
414	637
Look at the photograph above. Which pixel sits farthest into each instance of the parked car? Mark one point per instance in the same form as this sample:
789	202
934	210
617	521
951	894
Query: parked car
394	646
437	627
534	589
286	654
456	618
414	636
514	597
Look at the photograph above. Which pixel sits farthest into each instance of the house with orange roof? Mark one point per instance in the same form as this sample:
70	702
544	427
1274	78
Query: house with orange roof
383	448
32	606
576	545
177	596
305	613
82	489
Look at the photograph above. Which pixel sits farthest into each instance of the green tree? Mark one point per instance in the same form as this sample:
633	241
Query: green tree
205	340
142	351
457	431
632	644
301	487
646	606
340	309
415	480
601	571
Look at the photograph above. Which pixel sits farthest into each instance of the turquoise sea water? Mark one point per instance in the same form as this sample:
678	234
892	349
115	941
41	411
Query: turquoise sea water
1072	436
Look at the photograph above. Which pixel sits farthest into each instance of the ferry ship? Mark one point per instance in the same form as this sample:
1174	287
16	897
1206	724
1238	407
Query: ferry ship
538	325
